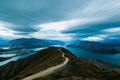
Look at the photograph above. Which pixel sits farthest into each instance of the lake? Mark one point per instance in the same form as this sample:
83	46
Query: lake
112	59
20	56
108	58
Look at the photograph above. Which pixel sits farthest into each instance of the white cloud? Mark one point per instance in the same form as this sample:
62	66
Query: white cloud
95	38
112	30
58	26
92	38
98	8
63	25
51	35
109	33
5	24
52	30
6	32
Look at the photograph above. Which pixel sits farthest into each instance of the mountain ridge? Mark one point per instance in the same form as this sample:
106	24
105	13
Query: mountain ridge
96	47
31	43
75	69
48	70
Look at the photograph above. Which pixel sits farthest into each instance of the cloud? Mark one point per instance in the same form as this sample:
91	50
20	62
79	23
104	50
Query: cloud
99	8
95	38
53	30
57	26
92	39
112	30
7	31
24	29
105	34
107	13
53	35
60	19
63	25
16	29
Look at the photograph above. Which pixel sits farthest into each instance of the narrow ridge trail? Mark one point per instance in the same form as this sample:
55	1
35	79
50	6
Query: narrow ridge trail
48	70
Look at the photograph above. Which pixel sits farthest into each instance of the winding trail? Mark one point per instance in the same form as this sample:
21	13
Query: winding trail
48	70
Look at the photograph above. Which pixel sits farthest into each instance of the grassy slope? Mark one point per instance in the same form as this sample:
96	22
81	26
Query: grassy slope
76	69
81	69
32	64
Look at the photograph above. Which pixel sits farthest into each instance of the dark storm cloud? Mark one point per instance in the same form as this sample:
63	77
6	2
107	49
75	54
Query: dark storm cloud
93	28
23	29
21	33
37	11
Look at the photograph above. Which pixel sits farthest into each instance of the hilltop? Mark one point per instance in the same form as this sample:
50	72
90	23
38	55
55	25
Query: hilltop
74	69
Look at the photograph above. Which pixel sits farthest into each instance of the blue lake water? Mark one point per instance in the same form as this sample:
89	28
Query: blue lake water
112	58
20	56
15	58
7	55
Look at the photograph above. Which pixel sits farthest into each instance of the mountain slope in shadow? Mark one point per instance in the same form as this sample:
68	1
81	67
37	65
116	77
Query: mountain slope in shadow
31	43
95	47
75	69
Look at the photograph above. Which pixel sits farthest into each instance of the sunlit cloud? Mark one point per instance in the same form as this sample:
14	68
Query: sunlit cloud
5	32
92	38
95	37
112	30
53	30
51	35
63	25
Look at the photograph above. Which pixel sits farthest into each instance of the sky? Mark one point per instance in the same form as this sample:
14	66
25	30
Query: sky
92	20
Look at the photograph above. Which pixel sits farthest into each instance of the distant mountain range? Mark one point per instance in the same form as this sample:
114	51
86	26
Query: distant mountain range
3	41
75	69
31	43
95	47
117	48
112	42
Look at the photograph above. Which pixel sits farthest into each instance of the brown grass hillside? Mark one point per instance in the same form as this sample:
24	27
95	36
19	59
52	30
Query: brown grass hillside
76	69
